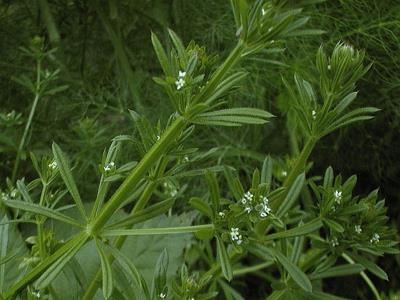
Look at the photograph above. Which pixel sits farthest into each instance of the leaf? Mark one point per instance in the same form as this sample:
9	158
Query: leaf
201	206
224	259
106	271
127	265
294	271
233	117
333	225
370	266
161	55
160	230
177	43
291	196
297	231
55	268
339	271
41	210
214	190
66	175
160	272
144	214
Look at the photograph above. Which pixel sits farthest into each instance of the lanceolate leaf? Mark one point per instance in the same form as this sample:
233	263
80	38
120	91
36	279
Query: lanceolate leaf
292	195
144	215
294	271
52	272
297	231
233	117
65	171
127	265
338	271
106	271
224	260
41	210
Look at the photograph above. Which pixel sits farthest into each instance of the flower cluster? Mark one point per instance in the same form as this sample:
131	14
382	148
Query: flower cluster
53	165
181	81
261	206
338	196
375	238
236	236
108	167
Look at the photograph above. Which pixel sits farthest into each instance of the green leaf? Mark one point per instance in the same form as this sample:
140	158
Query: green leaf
333	225
224	259
65	171
157	231
266	171
144	214
338	271
201	206
370	266
233	117
297	231
54	270
177	43
291	196
214	190
160	272
106	271
41	210
161	55
294	271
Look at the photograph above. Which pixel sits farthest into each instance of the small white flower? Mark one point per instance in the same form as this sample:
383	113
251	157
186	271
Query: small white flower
314	114
13	193
263	214
375	238
109	166
263	12
357	228
248	209
36	294
338	196
53	165
182	74
284	173
186	158
162	296
158	137
244	201
329	67
174	192
221	214
4	196
179	83
236	236
334	242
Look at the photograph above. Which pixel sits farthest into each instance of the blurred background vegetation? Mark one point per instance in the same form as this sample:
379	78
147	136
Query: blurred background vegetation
105	57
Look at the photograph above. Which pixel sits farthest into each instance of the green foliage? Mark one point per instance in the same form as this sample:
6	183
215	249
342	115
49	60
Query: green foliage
168	200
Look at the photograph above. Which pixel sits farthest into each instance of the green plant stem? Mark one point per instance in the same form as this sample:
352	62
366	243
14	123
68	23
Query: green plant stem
28	124
365	277
151	157
300	162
